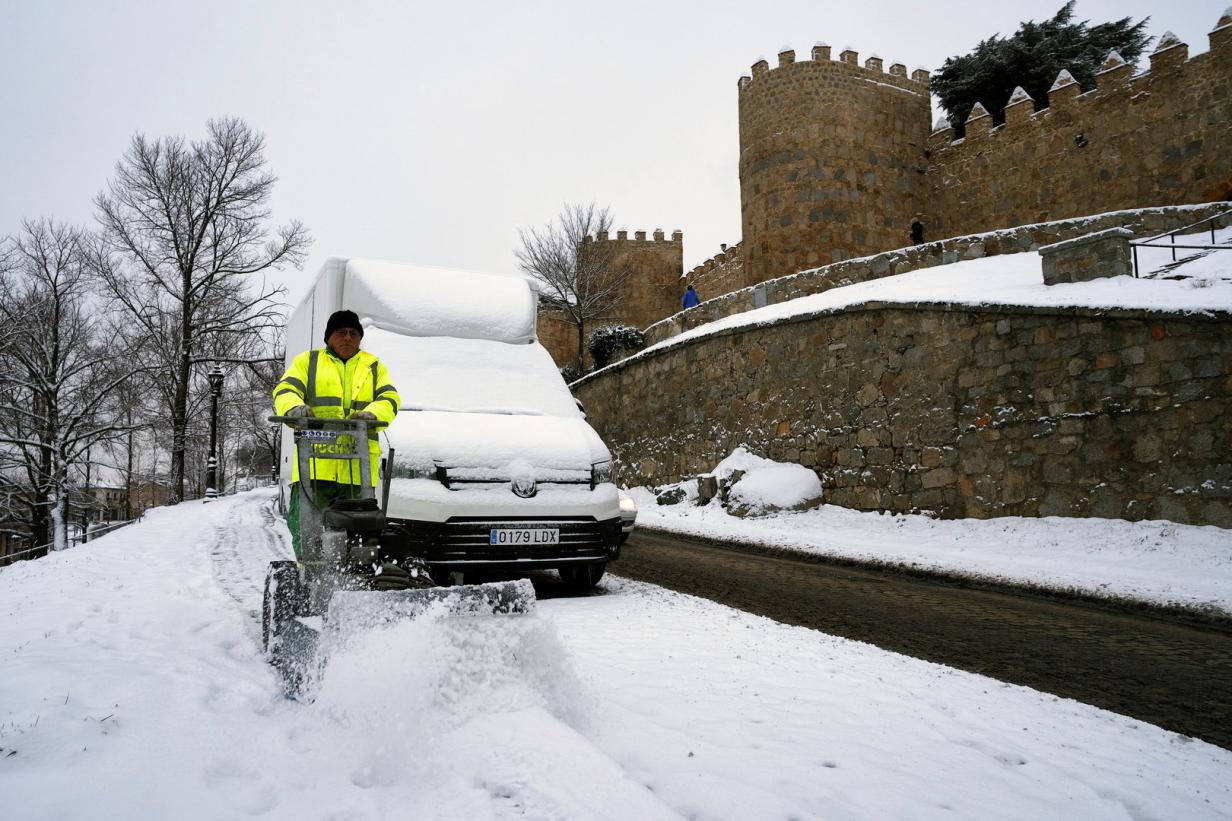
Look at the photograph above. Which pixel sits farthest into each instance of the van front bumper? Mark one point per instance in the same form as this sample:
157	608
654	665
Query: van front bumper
463	541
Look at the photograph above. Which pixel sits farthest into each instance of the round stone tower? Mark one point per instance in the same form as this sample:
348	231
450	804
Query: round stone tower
831	156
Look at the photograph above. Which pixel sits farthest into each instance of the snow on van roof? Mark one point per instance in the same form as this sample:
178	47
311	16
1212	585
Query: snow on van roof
421	300
472	375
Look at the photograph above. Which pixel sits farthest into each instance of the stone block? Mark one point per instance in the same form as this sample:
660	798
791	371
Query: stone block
1094	256
707	488
939	477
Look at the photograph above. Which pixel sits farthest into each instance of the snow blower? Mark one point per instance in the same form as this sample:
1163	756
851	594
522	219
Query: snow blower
344	581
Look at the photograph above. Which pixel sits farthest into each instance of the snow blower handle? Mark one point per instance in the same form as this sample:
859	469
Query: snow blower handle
323	422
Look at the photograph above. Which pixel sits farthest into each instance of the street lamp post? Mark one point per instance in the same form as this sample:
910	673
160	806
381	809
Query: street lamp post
211	475
275	451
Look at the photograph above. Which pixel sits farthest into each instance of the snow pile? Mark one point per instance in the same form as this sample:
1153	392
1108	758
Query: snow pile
421	300
766	485
415	688
452	668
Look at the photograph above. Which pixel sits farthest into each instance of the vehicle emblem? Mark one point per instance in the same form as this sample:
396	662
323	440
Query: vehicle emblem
524	487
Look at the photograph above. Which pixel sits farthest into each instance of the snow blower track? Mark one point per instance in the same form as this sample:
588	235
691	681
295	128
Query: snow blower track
240	552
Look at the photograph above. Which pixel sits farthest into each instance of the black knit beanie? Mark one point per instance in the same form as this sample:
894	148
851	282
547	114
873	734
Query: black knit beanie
342	319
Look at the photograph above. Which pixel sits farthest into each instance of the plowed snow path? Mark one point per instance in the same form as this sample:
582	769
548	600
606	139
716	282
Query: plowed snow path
132	686
241	548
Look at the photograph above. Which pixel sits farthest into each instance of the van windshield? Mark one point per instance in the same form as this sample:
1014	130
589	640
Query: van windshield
472	375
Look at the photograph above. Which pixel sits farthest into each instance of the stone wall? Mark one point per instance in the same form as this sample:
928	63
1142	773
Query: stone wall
1094	256
830	155
653	289
1142	223
558	334
1161	138
721	274
965	412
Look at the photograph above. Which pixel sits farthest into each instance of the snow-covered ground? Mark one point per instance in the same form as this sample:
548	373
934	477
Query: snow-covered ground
132	686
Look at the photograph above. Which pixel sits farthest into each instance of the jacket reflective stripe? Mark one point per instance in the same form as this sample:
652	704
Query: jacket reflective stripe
334	389
311	391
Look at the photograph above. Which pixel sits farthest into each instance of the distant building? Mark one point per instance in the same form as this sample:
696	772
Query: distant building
147	495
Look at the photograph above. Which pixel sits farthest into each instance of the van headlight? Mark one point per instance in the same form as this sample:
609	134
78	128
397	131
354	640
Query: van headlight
600	472
627	505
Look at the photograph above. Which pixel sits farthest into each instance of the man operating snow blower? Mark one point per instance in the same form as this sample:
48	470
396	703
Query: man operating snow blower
344	577
338	381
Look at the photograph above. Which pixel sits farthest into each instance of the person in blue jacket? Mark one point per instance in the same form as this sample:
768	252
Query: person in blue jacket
690	298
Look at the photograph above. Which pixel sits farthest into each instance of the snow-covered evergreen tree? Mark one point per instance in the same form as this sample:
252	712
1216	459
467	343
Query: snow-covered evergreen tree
1032	58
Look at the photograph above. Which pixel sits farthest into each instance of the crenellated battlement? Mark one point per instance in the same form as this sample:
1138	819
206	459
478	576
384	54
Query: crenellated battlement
848	61
817	138
1160	137
622	235
728	253
1170	64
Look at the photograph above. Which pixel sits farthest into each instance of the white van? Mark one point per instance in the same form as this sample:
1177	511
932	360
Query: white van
494	465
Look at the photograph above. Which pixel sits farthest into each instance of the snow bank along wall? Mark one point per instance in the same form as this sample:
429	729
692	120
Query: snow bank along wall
966	412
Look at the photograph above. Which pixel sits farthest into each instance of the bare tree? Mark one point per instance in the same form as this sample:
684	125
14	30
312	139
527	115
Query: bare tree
185	242
582	278
58	375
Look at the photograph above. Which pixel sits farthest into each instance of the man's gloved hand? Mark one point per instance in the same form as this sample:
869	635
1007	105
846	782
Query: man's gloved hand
366	416
300	411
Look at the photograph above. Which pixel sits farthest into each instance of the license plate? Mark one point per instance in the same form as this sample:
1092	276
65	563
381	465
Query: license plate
524	535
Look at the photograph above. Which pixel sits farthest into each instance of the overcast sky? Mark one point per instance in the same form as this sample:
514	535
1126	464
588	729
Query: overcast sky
429	132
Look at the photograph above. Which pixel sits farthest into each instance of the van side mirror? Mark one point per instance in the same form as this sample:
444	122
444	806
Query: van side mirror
581	408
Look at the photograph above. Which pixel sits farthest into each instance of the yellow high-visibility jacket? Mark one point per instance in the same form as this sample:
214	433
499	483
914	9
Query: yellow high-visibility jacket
336	389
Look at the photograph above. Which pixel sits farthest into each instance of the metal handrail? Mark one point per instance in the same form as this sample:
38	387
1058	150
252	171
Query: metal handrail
1185	228
1150	242
10	558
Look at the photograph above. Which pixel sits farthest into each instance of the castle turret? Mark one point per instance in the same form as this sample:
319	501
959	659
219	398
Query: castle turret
830	159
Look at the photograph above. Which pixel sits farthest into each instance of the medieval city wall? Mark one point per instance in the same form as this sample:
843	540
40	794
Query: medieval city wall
653	290
1161	138
721	274
981	412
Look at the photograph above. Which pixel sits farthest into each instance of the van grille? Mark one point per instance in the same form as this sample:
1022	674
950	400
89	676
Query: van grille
466	539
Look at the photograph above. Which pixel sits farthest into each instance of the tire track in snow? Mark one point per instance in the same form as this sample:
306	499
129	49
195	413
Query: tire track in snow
241	549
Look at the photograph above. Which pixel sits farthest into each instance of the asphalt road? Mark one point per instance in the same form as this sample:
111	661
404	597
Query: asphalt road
1155	668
